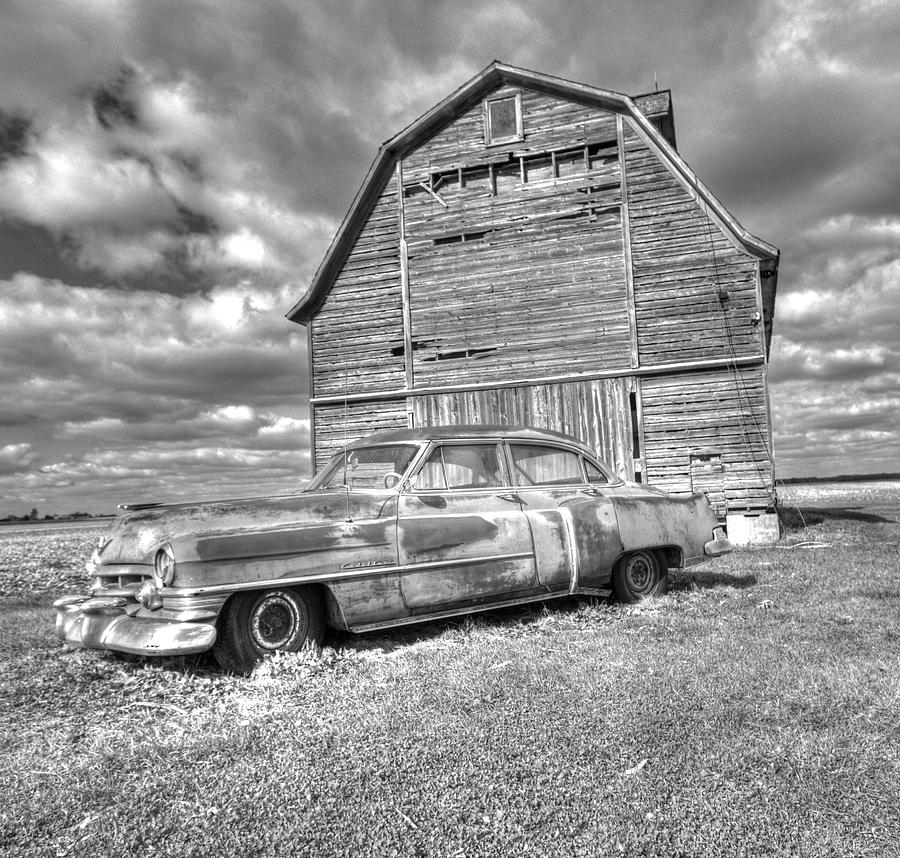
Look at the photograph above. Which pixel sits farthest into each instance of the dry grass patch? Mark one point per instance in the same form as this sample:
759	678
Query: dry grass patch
753	710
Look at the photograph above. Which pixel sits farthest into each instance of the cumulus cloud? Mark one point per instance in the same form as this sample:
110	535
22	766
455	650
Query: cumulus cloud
808	137
98	481
203	346
15	458
139	164
836	437
826	37
140	381
186	163
852	302
836	365
230	421
227	426
797	362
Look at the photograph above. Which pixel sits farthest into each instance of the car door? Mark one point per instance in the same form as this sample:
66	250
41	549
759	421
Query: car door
462	535
573	523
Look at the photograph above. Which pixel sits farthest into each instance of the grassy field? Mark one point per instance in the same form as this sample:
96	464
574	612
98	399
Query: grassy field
754	710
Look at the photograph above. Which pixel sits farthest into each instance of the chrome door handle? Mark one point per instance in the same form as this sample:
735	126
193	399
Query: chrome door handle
512	497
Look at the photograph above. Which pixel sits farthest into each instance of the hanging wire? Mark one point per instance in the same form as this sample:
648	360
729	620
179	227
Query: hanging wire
744	395
344	453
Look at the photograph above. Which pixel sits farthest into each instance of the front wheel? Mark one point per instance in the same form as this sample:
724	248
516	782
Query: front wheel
258	624
640	574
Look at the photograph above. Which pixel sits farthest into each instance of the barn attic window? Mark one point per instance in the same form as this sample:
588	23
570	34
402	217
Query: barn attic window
503	119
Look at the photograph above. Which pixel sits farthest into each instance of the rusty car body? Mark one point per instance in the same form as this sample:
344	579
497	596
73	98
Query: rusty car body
400	527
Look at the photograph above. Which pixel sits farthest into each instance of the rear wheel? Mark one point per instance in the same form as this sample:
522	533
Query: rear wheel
258	624
640	574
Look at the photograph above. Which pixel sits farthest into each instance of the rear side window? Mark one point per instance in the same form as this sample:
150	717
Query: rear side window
594	474
461	466
539	465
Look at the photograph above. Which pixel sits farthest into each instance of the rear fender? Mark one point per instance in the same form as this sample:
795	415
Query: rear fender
672	554
680	525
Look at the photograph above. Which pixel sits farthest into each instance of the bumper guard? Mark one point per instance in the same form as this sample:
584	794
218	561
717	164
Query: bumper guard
719	545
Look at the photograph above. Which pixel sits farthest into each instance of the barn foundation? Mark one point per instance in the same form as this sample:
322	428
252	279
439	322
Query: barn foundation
748	529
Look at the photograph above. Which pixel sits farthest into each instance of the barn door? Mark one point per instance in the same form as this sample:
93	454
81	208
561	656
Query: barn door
601	413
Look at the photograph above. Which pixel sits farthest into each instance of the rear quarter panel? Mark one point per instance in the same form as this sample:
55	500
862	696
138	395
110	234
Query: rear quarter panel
649	518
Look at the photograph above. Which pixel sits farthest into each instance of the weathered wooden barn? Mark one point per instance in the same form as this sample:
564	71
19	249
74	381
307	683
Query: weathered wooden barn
535	251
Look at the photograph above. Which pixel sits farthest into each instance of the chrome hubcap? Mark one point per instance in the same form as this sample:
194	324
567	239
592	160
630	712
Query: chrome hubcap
274	621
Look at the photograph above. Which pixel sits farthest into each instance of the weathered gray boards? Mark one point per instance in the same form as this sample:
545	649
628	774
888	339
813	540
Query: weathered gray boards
535	251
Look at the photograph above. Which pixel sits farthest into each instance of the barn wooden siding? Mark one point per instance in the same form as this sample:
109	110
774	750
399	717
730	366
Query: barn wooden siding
695	293
357	334
700	432
551	281
697	298
524	244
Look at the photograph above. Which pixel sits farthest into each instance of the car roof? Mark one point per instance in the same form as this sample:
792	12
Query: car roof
468	432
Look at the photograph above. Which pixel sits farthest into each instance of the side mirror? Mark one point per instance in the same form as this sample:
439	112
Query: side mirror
392	479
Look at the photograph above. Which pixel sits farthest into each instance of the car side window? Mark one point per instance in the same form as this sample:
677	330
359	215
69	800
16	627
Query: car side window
594	474
460	466
431	474
540	465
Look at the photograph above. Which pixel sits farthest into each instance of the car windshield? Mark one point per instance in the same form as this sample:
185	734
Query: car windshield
366	468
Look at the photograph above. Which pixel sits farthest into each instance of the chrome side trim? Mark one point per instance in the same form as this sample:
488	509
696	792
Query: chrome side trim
455	612
571	547
187	608
340	575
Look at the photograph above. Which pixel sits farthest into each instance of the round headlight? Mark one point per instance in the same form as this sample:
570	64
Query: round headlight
164	566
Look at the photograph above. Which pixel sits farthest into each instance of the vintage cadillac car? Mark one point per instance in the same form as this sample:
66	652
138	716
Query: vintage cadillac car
400	527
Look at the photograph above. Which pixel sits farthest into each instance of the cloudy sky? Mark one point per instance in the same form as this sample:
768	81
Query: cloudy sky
171	172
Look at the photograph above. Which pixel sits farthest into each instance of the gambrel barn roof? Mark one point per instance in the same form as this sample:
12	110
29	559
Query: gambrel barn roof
498	74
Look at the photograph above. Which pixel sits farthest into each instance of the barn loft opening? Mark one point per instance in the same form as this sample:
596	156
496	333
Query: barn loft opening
503	119
462	237
499	176
584	209
460	353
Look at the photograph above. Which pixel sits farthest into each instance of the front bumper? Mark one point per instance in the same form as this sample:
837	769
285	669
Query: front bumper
104	623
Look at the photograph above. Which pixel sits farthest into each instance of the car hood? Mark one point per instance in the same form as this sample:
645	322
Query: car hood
191	528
